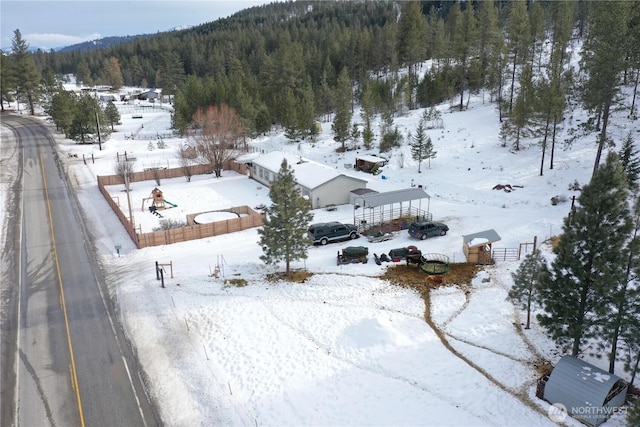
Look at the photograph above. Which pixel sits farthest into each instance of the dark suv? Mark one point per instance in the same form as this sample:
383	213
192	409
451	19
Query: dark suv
326	232
423	229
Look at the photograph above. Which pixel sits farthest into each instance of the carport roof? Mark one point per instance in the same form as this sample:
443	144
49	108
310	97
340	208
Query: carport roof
390	197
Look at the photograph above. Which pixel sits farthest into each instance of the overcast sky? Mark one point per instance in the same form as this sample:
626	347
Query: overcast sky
53	24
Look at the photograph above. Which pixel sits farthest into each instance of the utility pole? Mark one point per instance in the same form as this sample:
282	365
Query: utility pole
98	127
126	187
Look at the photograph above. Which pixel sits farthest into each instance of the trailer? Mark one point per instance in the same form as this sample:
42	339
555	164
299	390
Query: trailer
353	255
380	236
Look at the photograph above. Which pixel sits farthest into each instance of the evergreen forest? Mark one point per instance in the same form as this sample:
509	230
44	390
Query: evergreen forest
279	64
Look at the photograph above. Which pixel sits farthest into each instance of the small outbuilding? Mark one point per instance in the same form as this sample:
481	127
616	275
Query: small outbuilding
589	393
477	246
369	163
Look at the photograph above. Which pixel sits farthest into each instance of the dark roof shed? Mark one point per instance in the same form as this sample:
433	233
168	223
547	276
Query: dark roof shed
588	392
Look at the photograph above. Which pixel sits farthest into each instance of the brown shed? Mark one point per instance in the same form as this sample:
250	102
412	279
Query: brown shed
477	246
369	163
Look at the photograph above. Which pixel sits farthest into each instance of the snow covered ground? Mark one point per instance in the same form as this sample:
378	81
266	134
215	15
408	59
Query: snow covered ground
345	347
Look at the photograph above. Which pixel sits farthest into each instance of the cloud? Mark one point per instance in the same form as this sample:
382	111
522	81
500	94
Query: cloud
52	40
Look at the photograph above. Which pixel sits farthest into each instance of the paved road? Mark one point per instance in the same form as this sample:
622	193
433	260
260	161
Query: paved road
65	361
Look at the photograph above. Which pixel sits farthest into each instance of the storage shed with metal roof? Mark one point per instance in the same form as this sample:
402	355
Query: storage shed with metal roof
589	393
477	247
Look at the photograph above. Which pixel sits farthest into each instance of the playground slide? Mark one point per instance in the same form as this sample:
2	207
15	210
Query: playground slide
169	203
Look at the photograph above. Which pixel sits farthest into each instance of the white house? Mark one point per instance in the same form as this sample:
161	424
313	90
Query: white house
322	185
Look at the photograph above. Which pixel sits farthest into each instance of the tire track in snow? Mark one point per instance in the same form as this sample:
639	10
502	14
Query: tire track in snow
524	399
481	415
468	291
521	394
467	298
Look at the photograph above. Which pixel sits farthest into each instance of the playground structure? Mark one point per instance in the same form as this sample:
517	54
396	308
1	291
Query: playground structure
158	201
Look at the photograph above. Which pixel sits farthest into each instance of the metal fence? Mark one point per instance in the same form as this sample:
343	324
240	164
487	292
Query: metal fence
141	109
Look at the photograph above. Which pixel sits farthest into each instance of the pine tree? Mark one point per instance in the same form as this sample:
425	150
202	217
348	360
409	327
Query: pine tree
7	80
435	36
326	103
523	108
537	34
526	281
630	158
83	128
603	59
62	110
518	35
589	259
465	46
621	317
25	72
421	145
354	135
633	415
487	32
286	221
389	135
83	74
367	114
342	119
551	89
412	31
112	115
495	78
49	87
171	73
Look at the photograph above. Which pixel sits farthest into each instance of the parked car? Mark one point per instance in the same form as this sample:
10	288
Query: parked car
423	229
326	232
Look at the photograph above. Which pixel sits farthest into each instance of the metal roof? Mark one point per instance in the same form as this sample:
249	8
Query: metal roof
578	384
481	238
390	197
308	174
363	191
372	159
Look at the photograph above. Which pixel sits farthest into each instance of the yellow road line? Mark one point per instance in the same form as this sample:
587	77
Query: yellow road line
74	374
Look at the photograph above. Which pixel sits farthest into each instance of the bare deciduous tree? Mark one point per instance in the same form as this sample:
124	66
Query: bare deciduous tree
124	169
217	136
186	156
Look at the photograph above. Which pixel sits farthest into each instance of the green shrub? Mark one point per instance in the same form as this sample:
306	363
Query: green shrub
238	283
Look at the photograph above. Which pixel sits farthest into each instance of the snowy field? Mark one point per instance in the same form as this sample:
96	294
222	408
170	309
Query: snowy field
345	347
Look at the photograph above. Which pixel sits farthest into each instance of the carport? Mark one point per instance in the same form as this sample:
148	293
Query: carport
395	209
